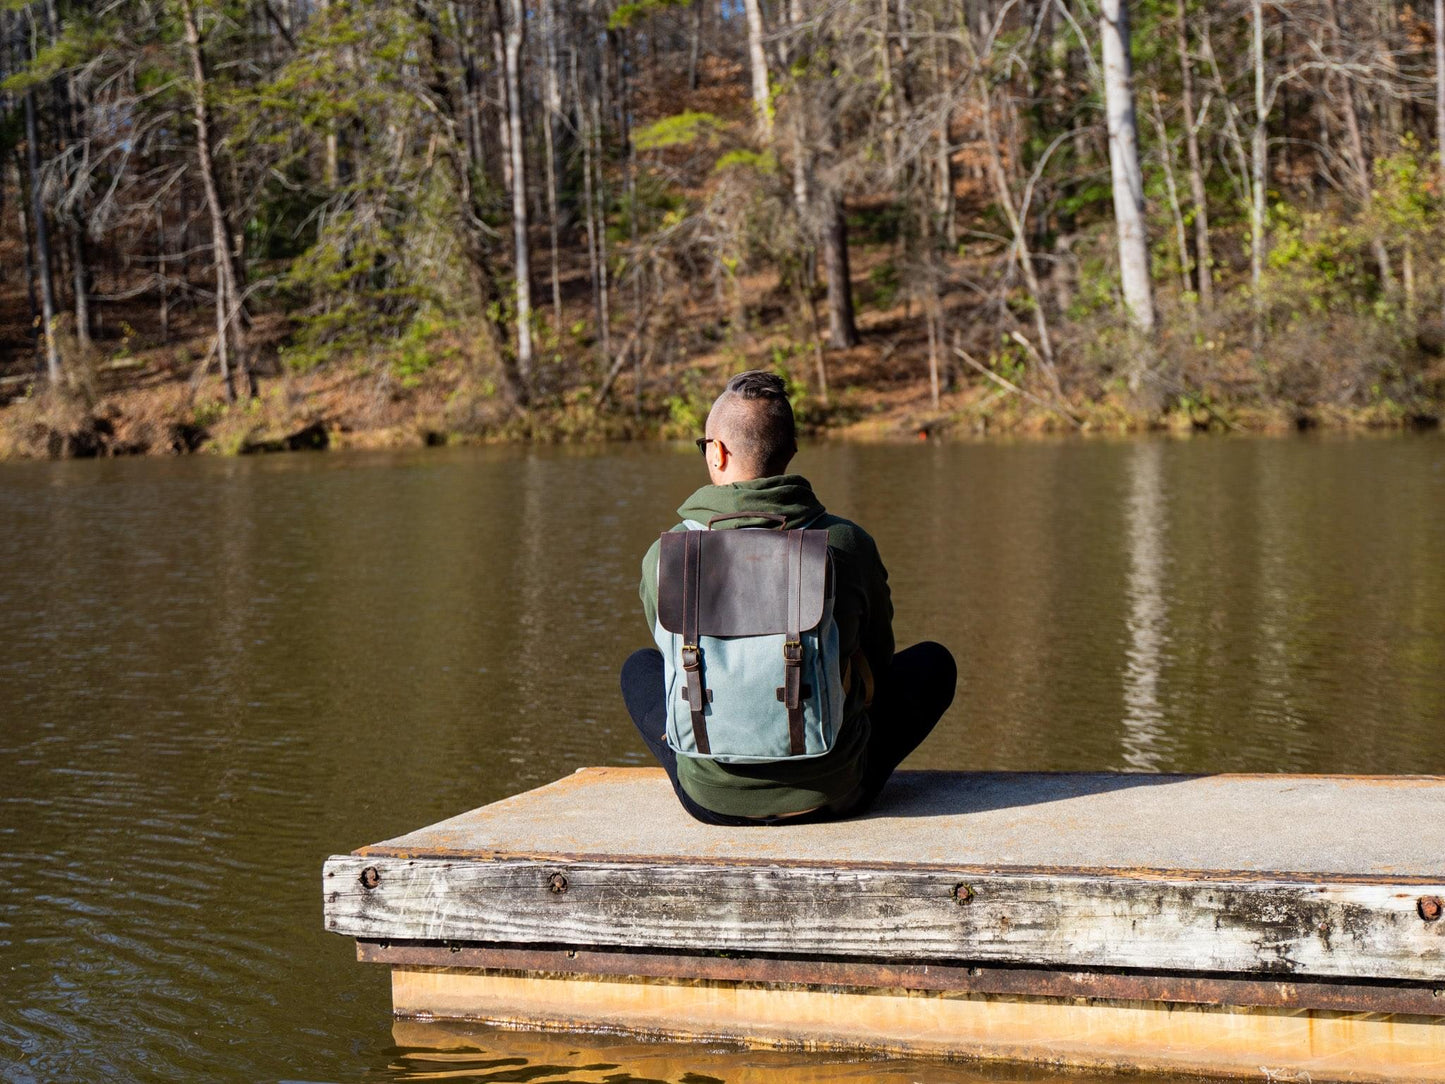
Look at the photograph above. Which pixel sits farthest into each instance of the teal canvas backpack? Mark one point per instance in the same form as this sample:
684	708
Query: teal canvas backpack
745	626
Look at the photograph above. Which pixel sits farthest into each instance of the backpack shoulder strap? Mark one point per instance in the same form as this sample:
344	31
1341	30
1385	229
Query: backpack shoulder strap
793	644
691	653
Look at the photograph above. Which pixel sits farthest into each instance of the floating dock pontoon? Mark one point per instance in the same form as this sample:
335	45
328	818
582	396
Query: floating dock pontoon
1281	926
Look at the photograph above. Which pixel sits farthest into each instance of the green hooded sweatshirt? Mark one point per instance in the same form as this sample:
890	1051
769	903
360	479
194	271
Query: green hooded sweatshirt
863	611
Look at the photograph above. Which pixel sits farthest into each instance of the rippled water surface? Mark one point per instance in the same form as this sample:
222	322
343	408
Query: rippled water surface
215	673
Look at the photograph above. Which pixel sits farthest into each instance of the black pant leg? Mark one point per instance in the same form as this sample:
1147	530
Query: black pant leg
907	705
644	693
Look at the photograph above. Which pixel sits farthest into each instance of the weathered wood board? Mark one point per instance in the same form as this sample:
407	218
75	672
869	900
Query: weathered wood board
1204	925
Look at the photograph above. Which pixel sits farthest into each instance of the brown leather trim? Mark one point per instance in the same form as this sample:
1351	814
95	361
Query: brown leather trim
691	652
743	585
793	646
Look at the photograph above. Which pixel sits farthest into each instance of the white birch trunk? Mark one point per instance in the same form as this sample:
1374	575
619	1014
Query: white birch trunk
758	61
1128	182
1440	85
42	244
512	52
1259	171
553	111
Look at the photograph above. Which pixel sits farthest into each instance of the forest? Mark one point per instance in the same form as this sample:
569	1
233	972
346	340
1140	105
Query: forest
243	225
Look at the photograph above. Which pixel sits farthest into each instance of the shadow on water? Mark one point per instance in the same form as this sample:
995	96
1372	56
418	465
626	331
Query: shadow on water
948	794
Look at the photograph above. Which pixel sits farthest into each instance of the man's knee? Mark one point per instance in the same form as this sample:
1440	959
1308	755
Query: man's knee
932	667
641	665
642	681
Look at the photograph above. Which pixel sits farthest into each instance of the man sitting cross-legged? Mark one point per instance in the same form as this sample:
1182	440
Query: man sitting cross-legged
891	702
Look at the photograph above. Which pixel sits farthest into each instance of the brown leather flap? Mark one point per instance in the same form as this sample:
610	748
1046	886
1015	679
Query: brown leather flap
742	581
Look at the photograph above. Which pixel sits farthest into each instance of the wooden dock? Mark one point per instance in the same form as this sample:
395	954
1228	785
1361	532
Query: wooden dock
1283	925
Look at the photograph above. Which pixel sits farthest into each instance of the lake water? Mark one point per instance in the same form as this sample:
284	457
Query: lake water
213	673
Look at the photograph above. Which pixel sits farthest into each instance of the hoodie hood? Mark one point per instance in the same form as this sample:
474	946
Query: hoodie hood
787	495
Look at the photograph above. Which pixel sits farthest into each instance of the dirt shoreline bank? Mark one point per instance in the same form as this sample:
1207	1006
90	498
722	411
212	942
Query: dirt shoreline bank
164	416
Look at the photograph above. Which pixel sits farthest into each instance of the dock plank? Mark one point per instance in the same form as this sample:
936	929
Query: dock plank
1210	926
1360	826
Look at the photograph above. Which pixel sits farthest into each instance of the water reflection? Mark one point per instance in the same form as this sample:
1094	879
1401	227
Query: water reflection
436	1050
1144	714
214	673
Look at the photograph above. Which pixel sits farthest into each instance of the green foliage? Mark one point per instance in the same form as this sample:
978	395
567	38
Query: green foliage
1091	196
680	130
886	282
653	202
880	224
784	361
1314	263
1403	200
1097	287
761	162
422	345
1010	361
687	408
627	13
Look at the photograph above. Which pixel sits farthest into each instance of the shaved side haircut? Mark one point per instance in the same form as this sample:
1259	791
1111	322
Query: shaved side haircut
755	420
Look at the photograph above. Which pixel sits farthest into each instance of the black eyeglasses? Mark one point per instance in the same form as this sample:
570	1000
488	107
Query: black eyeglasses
703	442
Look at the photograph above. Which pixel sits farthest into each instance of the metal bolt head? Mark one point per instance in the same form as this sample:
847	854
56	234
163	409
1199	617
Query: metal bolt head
557	884
1430	908
370	877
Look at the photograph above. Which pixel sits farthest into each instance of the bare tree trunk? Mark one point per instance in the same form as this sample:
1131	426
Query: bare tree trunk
553	111
69	150
1440	86
514	23
80	283
1128	181
1204	258
604	305
758	62
30	262
842	325
695	45
1407	274
885	79
1259	166
330	172
42	244
165	285
228	300
1166	156
934	320
1020	240
1440	89
1359	159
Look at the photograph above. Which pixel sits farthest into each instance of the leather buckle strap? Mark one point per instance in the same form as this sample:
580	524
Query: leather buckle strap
691	653
793	646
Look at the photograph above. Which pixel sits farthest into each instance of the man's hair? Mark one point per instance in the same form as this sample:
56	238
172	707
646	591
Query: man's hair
757	422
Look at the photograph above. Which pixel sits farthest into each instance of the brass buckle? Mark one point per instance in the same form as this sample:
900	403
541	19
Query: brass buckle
793	651
694	662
